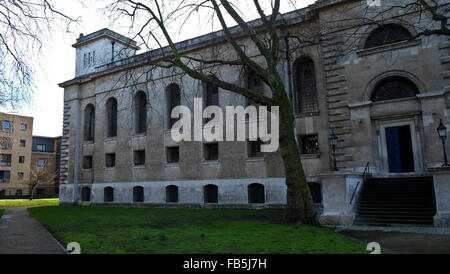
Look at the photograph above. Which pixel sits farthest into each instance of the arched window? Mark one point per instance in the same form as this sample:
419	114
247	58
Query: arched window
387	34
256	194
173	100
111	117
138	194
211	193
305	86
394	88
85	194
89	122
108	194
172	194
140	111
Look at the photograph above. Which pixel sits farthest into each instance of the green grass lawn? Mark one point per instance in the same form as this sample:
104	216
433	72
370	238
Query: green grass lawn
35	202
193	231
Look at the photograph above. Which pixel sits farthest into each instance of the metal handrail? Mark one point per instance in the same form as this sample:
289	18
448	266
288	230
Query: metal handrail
366	174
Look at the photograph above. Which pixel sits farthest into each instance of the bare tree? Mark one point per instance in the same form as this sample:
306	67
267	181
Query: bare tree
40	178
153	22
23	26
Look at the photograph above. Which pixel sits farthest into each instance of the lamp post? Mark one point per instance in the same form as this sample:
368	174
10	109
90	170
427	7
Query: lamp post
333	142
442	131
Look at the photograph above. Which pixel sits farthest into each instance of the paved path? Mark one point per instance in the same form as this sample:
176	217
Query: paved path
20	233
403	242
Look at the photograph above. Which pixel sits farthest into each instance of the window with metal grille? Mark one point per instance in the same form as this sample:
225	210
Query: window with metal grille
309	144
211	152
173	100
89	122
173	154
305	85
111	117
394	88
387	34
110	160
140	110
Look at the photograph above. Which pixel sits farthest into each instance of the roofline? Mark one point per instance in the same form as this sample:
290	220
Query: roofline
48	137
289	18
17	115
82	40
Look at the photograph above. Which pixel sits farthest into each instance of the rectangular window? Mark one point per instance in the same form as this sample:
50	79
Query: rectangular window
23	127
87	162
41	147
211	152
19	192
42	163
5	143
309	144
139	158
173	154
21	159
4	176
23	143
254	149
20	176
5	159
6	126
110	160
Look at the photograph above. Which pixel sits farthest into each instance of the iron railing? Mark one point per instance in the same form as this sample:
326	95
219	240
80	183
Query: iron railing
366	175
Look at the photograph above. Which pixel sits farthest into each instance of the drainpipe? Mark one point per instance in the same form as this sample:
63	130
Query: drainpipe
77	147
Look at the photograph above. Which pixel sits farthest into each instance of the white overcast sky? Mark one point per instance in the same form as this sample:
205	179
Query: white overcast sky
57	60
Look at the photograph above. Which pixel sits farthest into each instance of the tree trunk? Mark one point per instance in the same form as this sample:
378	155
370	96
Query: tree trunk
300	206
31	193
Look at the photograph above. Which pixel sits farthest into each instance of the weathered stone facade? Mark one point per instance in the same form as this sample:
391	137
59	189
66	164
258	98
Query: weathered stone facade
346	73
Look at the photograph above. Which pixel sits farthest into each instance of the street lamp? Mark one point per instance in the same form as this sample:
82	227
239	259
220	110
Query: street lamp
333	141
442	131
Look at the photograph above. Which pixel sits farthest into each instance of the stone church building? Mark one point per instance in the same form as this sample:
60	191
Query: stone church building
360	74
